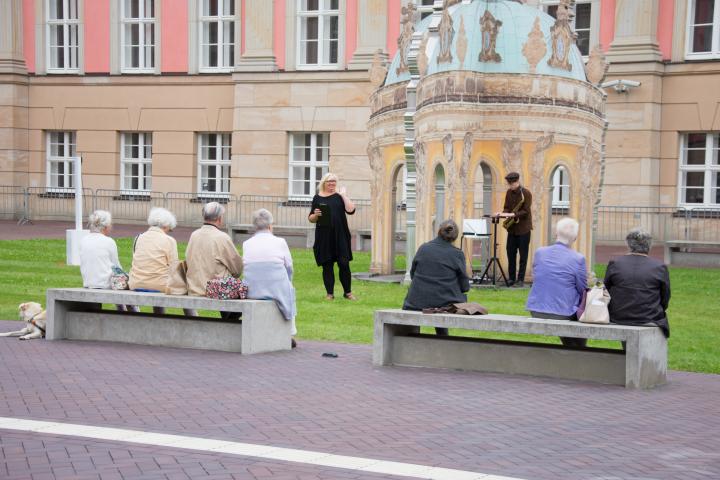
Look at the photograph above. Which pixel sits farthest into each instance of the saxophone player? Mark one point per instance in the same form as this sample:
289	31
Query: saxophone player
518	223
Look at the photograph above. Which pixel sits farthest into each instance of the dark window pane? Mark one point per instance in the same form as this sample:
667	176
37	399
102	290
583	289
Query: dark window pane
582	15
552	10
695	157
694	195
702	39
704	11
694	179
696	140
583	42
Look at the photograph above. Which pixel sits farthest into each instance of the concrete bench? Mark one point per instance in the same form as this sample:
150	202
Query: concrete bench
397	341
692	253
75	313
363	239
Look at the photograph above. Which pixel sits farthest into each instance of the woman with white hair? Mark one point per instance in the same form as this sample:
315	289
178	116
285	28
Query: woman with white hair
154	252
328	212
268	267
639	285
559	279
99	254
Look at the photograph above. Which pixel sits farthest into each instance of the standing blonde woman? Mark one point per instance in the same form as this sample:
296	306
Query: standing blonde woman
328	212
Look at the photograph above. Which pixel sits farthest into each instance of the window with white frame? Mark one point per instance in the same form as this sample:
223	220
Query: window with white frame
63	34
214	164
587	35
217	35
136	162
561	188
318	33
703	37
60	153
138	33
309	161
700	170
426	8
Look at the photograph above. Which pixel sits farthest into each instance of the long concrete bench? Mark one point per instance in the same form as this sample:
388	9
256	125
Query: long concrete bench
397	341
75	313
692	253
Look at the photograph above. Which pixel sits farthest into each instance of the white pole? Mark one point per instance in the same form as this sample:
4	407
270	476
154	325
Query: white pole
73	237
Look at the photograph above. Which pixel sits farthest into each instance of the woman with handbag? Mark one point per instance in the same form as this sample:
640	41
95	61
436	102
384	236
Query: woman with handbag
154	253
99	255
559	279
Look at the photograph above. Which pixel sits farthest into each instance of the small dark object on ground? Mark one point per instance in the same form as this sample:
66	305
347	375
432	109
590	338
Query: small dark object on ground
330	355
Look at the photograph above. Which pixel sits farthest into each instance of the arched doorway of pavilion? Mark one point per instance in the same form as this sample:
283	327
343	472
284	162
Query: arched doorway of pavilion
558	199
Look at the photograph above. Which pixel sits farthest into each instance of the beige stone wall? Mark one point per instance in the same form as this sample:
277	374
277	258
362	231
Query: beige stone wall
268	107
13	129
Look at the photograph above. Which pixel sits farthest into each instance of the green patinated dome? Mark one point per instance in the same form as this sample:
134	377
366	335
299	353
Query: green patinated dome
518	21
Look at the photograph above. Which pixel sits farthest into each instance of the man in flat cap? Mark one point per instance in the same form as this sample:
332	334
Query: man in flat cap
518	222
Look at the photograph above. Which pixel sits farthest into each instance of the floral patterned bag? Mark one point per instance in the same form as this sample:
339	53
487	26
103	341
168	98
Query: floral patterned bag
226	288
119	279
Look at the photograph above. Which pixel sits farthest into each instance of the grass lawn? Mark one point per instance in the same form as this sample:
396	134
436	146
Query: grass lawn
28	267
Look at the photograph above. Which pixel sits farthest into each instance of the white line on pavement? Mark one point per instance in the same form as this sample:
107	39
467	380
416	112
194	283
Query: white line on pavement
245	449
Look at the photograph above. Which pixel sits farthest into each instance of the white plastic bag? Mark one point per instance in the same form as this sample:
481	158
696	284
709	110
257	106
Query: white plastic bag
596	306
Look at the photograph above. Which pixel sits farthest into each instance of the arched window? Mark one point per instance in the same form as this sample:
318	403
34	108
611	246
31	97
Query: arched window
561	189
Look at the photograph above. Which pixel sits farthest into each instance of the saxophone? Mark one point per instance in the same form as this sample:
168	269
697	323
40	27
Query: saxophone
510	221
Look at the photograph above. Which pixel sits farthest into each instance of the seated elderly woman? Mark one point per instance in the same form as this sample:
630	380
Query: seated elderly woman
154	252
438	273
268	267
559	279
99	254
639	286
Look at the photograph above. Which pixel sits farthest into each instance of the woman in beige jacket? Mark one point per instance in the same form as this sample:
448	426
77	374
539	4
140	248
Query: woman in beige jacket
154	252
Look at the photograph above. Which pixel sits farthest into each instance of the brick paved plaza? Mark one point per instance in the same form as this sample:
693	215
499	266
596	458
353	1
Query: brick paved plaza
521	427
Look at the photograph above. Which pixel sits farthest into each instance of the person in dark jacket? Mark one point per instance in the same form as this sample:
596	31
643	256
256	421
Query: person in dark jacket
438	273
518	207
639	286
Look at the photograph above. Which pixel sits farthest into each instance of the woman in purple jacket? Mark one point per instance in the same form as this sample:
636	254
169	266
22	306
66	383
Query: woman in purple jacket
559	279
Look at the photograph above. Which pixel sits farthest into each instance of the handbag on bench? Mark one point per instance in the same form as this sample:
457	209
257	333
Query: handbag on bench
226	288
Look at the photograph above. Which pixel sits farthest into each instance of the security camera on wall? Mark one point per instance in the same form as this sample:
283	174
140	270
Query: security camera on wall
621	86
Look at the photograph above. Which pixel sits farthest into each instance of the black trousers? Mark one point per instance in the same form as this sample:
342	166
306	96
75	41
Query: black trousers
567	341
515	244
343	273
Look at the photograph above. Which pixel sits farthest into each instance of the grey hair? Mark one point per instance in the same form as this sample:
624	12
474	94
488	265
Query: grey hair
262	219
639	241
161	217
566	230
448	231
99	220
212	211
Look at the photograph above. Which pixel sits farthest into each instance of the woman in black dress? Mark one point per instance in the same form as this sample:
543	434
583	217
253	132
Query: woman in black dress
328	212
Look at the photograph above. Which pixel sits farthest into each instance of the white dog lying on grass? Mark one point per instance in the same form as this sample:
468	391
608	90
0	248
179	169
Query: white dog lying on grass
33	314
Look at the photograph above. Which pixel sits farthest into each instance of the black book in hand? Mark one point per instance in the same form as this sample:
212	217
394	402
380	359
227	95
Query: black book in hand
324	220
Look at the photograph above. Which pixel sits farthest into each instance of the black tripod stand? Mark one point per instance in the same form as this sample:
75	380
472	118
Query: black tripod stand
494	261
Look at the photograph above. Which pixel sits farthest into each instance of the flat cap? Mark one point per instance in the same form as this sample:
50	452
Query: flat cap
512	177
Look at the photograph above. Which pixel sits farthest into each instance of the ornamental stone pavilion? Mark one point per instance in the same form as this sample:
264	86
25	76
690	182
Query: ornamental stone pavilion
478	89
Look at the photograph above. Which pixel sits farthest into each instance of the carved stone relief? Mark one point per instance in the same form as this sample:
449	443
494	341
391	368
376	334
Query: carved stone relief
461	44
451	176
562	36
421	204
378	173
597	66
409	17
422	58
378	70
590	166
490	27
537	173
535	48
512	155
465	174
447	32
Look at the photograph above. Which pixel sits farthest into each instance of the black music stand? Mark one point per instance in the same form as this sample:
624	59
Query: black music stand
494	261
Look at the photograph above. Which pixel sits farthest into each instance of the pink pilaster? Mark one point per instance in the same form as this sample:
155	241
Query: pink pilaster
607	23
174	36
29	34
393	27
351	25
279	33
665	28
97	36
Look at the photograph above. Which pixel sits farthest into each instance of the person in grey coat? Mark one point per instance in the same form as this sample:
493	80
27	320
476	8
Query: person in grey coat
438	273
639	285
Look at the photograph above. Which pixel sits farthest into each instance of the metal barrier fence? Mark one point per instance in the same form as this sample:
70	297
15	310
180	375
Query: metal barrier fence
13	203
40	203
